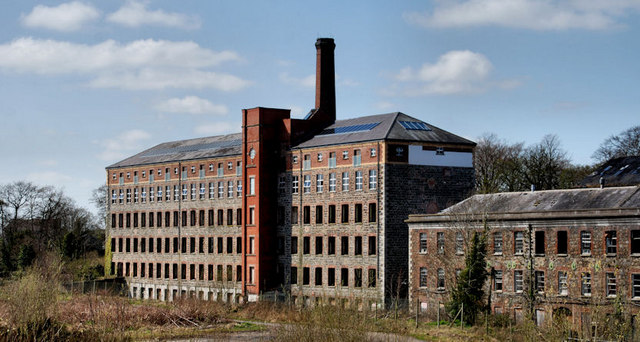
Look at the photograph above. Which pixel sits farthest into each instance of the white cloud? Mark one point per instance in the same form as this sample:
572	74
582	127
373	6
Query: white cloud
161	79
191	105
217	128
66	17
455	72
126	143
136	14
309	81
141	64
526	14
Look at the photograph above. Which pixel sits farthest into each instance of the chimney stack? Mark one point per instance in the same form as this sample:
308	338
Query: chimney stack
325	82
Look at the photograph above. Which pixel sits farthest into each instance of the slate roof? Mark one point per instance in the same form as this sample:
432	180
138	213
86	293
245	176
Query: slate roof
550	200
365	128
388	128
621	171
199	148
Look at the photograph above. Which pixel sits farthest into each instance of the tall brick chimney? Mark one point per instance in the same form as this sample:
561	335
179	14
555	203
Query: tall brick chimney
325	111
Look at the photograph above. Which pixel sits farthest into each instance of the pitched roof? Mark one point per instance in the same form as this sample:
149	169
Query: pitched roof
392	126
621	171
550	200
199	148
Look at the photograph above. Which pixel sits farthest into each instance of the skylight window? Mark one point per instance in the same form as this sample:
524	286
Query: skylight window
414	125
350	129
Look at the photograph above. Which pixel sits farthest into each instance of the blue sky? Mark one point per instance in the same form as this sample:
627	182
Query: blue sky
84	84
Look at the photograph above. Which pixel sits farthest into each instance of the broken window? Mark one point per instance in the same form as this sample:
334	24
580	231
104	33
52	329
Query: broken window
540	242
497	243
562	242
518	281
440	242
497	281
586	284
423	277
518	242
611	241
459	243
612	290
539	281
563	288
423	242
440	279
585	242
635	242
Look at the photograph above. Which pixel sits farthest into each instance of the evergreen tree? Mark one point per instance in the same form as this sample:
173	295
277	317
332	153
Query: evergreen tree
26	256
469	288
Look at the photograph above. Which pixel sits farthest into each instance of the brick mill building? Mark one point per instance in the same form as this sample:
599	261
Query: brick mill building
575	252
312	207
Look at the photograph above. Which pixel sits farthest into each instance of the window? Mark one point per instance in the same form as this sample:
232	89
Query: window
518	281
373	213
252	185
332	182
345	155
332	160
229	217
539	281
372	277
518	242
357	213
319	245
239	216
332	213
331	276
294	184
345	181
239	188
611	241
319	183
563	287
586	284
318	276
319	157
220	217
318	214
440	284
357	158
252	215
344	213
635	242
307	184
252	242
220	189
373	247
230	189
306	162
539	247
220	170
294	245
306	214
306	245
585	242
305	276
212	190
423	243
497	243
331	245
459	243
344	276
423	277
294	275
239	168
440	242
344	245
229	245
563	242
497	281
295	159
357	277
373	179
612	289
357	246
294	215
282	180
358	180
635	279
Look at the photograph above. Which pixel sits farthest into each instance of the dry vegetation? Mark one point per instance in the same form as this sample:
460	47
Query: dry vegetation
32	308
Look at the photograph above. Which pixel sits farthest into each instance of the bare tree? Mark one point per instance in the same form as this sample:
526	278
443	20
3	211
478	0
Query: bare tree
99	199
624	144
17	195
543	163
497	165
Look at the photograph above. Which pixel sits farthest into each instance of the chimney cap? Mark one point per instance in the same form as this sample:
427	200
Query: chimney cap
325	42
